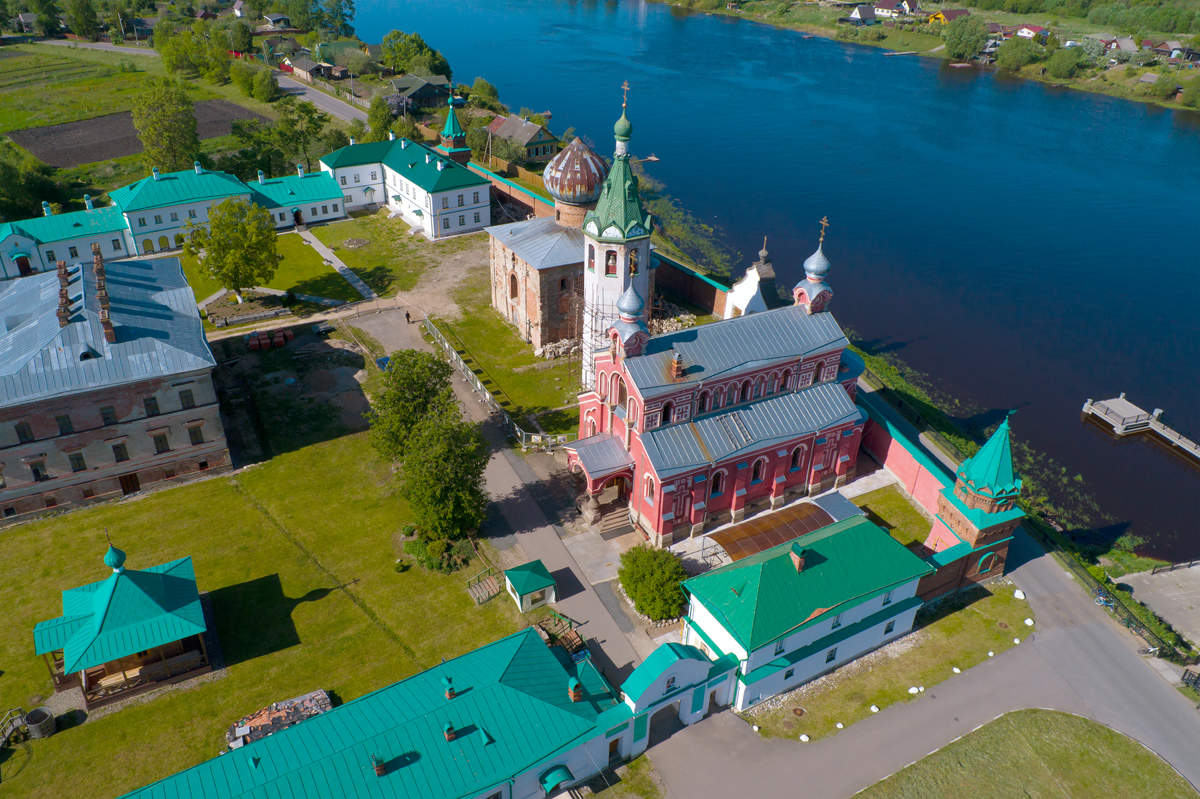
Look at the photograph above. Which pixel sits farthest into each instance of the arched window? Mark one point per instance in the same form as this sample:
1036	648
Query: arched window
619	390
758	387
718	398
783	383
756	471
591	427
603	385
987	563
631	414
649	488
797	459
745	391
164	243
633	261
147	245
717	485
702	403
816	377
668	411
512	286
610	262
591	258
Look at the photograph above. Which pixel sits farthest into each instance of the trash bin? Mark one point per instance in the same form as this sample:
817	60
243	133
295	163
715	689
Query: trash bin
40	722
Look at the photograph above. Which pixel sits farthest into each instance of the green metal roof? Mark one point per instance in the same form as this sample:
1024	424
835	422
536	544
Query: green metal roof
529	577
129	612
659	661
177	188
414	161
990	470
555	777
452	130
762	597
296	189
512	713
71	225
619	206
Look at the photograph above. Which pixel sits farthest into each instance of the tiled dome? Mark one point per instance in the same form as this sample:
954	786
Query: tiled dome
575	174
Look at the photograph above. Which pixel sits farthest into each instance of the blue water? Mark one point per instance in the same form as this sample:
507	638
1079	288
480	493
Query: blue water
1028	246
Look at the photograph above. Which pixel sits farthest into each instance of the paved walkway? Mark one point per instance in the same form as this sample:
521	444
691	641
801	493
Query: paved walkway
343	270
1174	595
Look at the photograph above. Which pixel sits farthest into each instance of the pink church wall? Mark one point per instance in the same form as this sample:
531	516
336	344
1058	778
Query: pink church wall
917	478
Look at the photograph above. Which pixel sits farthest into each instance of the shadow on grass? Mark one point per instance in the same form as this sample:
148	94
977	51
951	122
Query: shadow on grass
950	605
381	279
331	286
254	618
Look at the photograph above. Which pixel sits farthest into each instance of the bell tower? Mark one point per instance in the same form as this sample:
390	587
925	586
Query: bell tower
616	249
813	293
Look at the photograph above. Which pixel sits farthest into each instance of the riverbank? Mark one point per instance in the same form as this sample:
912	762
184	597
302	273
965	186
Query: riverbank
1122	81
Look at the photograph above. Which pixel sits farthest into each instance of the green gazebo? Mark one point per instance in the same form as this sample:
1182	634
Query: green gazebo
530	585
128	632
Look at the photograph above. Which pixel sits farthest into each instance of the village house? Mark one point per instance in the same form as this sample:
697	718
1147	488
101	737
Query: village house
539	144
277	21
417	91
948	15
238	8
303	67
154	214
895	8
107	386
862	15
1031	32
428	189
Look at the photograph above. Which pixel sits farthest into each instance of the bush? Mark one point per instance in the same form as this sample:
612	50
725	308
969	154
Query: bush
266	88
1065	63
438	555
1165	87
1191	93
1017	52
651	579
242	75
1129	542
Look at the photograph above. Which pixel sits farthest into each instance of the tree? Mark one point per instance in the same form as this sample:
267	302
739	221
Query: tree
300	127
415	385
1017	52
1165	87
356	61
405	128
301	13
408	52
166	124
238	247
442	475
47	13
1065	63
24	184
1191	93
242	75
651	579
484	94
336	16
379	118
266	87
241	37
965	37
82	19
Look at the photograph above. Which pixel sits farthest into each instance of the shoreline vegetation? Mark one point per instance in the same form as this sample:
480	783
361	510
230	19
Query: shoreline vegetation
908	38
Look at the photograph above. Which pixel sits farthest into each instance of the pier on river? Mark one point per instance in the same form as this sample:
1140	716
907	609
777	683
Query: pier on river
1125	418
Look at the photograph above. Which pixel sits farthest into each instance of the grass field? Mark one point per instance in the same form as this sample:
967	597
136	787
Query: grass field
1037	753
392	260
892	511
300	572
302	270
958	632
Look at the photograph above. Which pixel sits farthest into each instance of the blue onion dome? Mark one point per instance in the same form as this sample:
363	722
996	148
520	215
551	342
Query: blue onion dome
623	129
576	174
114	558
816	265
631	303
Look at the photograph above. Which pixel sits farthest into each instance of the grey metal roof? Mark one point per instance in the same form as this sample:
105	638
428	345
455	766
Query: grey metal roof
518	129
710	439
153	312
541	242
837	506
724	348
601	455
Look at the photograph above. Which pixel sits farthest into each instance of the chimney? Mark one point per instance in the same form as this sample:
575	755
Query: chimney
441	165
196	166
300	170
351	141
64	277
449	731
391	136
87	202
574	690
46	209
448	684
404	144
379	766
110	335
677	366
154	171
64	316
798	557
261	177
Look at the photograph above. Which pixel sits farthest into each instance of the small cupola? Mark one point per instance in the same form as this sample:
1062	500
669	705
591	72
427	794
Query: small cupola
448	686
799	556
449	731
813	293
114	559
574	690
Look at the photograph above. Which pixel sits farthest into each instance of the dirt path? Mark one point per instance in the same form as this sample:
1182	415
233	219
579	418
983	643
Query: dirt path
434	292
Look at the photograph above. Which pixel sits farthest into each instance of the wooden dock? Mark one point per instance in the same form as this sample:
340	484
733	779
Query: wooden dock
1125	419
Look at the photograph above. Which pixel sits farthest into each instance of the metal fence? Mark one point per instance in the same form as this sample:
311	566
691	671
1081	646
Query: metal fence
524	438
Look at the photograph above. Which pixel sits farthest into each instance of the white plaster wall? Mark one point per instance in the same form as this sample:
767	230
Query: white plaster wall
83	248
143	225
686	673
15	243
703	617
601	292
357	180
584	761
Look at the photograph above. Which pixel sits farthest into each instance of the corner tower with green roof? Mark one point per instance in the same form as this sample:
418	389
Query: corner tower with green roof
453	142
616	250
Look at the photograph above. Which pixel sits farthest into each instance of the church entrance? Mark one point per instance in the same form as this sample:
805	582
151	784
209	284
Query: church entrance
23	266
297	219
665	723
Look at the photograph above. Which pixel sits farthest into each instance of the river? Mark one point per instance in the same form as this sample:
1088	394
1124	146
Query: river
1027	246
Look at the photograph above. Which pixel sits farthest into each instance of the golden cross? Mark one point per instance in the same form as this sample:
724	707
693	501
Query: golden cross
824	224
764	242
624	93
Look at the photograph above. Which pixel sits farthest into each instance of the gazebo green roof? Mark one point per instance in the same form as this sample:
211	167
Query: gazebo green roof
990	470
129	612
660	659
529	577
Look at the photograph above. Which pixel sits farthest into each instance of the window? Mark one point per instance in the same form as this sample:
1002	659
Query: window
50	255
890	627
141	221
77	462
779	647
357	178
196	435
745	391
837	622
476	217
151	405
512	287
462	220
38	469
108	415
374	175
476	198
987	562
783	381
445	202
887	598
161	444
831	655
649	488
187	399
633	261
73	252
312	211
718	483
591	258
461	201
758	388
191	213
174	216
116	244
65	428
610	262
324	209
670	686
282	217
816	376
668	411
756	473
158	219
787	675
702	403
562	284
120	453
335	208
343	180
797	455
446	223
347	198
24	432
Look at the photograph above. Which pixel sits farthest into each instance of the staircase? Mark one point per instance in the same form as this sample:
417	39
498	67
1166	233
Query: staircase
484	585
12	722
614	523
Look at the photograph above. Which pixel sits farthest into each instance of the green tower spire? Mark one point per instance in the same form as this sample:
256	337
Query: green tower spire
452	130
990	470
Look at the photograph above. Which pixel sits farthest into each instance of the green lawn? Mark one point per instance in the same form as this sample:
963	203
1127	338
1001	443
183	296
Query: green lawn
636	779
893	511
302	270
300	571
959	632
1037	753
524	383
392	260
